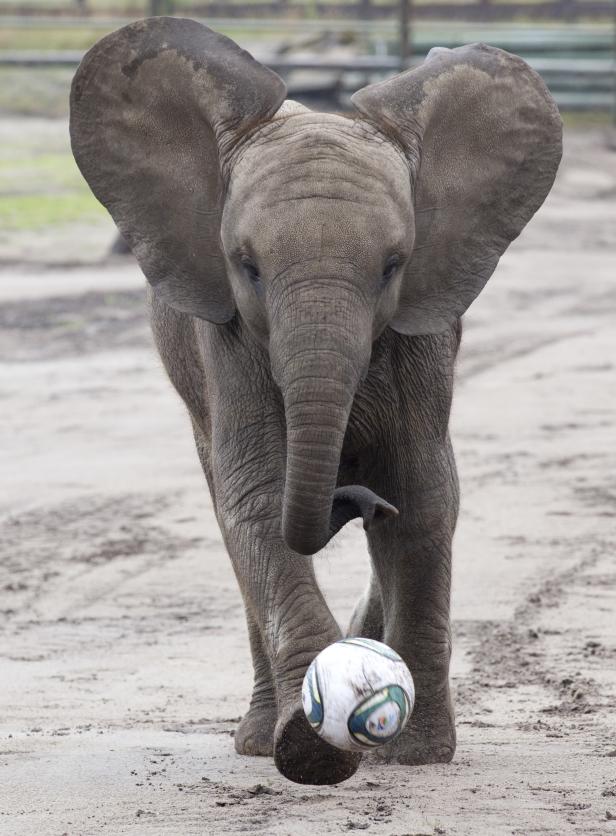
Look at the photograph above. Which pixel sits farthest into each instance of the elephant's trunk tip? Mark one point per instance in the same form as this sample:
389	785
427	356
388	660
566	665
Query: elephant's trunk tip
349	503
306	540
382	511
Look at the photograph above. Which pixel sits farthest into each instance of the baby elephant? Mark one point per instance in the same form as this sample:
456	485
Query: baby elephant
307	277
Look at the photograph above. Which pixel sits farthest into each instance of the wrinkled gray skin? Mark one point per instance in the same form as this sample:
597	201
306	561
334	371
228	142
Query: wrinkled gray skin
308	276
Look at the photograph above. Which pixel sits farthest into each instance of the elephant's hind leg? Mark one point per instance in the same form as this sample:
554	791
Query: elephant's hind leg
412	556
367	618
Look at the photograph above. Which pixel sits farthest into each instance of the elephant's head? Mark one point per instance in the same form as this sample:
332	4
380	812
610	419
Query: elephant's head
318	230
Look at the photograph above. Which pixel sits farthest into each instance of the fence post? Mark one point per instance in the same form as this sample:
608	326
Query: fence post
161	7
406	50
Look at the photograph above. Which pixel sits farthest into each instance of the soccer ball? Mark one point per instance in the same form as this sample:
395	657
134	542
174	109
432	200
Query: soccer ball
358	694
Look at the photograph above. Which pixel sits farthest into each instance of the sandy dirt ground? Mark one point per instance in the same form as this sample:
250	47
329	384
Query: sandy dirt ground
124	663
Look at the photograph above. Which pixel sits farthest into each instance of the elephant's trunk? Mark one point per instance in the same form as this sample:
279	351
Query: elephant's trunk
318	365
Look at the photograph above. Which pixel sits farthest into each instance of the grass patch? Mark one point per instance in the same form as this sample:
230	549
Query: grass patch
36	211
25	91
52	38
46	38
40	184
27	173
586	120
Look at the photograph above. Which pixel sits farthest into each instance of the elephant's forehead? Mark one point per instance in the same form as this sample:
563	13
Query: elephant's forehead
311	155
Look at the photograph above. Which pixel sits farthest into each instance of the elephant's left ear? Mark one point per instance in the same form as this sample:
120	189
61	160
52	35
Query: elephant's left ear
155	107
483	138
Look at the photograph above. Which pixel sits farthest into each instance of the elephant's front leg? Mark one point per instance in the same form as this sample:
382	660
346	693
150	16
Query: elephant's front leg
294	624
255	733
412	559
288	616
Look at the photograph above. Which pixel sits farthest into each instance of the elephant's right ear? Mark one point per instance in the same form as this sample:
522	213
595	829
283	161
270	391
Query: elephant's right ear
151	105
482	135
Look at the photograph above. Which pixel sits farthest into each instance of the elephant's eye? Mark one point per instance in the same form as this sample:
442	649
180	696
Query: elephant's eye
391	265
251	270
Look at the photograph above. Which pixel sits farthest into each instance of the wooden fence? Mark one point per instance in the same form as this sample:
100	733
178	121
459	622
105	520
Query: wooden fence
324	10
475	10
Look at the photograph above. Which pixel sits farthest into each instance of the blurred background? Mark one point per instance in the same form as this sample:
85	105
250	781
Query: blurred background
325	50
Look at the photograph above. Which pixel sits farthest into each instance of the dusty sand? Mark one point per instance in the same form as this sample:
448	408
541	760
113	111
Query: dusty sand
124	666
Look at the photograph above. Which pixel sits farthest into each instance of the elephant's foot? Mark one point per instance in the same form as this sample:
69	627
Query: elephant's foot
301	756
425	740
255	733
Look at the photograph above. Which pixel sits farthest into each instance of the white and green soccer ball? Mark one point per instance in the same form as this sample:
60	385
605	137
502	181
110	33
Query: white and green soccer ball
358	694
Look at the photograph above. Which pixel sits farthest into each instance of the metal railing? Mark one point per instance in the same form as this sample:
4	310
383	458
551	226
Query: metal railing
576	83
325	10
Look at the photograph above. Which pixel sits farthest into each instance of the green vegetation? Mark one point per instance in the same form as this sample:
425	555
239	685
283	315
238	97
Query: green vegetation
82	37
50	38
26	171
35	211
40	185
26	91
100	7
586	120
